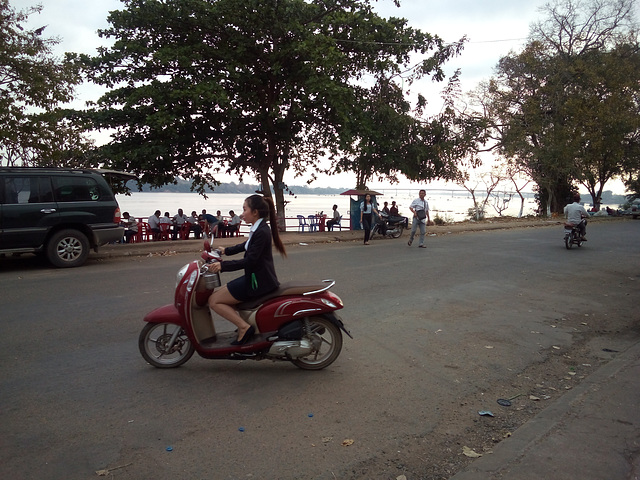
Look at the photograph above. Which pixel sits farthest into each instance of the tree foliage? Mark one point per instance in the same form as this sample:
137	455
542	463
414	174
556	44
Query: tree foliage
566	107
199	87
34	130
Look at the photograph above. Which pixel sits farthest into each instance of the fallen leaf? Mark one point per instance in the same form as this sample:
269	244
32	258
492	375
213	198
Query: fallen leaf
470	453
533	397
488	346
347	442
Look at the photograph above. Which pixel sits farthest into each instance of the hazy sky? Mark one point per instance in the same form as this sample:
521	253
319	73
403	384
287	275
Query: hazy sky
493	27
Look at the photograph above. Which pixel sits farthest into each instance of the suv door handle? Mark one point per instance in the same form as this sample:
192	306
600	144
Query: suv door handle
48	210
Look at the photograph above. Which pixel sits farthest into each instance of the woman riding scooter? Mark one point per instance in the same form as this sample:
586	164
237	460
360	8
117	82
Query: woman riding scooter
259	272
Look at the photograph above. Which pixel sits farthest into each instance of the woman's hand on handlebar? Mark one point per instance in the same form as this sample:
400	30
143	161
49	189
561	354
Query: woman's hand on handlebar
214	267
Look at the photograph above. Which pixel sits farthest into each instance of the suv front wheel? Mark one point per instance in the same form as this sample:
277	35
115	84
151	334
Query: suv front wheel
68	248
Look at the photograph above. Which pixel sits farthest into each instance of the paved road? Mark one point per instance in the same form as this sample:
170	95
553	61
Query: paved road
431	326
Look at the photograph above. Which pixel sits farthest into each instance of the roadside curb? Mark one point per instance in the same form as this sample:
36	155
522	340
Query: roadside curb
312	238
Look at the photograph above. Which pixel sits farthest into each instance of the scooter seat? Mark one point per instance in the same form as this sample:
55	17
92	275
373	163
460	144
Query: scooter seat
288	288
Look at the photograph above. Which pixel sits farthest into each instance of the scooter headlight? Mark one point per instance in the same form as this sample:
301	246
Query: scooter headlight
181	273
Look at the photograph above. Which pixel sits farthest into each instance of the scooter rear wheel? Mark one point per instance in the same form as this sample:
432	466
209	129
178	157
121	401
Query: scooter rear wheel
397	232
326	338
153	343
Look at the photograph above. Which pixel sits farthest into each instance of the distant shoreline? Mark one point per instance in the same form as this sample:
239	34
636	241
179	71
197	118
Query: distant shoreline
184	186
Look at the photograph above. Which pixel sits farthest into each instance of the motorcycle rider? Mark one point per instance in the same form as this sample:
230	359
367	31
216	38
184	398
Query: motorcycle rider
259	272
577	215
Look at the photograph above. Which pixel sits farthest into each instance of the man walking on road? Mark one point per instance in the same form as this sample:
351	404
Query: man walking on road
420	209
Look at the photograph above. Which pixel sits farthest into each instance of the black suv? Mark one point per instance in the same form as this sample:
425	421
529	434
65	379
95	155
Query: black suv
56	211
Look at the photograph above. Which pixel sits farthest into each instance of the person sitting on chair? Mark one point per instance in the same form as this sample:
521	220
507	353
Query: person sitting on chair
177	221
154	224
130	227
234	224
335	219
195	224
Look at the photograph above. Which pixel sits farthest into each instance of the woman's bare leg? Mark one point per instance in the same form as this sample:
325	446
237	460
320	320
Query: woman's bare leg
222	302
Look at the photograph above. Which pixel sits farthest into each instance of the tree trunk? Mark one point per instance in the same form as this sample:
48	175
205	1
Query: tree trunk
521	205
596	197
278	191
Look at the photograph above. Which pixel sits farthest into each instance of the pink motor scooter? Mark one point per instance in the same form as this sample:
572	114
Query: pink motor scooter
295	323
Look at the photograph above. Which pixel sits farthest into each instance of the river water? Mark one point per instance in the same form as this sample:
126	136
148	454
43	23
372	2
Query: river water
450	205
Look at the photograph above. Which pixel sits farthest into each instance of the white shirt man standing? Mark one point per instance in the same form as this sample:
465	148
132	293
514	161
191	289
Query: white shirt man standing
420	209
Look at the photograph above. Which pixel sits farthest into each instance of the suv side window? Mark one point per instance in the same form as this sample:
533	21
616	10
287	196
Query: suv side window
76	189
21	190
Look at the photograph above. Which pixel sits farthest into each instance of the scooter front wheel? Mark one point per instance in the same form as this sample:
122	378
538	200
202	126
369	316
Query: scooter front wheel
154	344
326	339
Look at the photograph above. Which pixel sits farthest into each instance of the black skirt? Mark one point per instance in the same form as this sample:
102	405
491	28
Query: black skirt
238	289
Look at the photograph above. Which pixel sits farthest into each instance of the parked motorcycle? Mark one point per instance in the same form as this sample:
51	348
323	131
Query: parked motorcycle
389	226
572	235
296	323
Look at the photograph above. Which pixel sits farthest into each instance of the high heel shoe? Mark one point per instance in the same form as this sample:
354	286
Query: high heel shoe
247	336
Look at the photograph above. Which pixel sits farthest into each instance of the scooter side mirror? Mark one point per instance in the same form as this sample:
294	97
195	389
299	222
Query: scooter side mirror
208	256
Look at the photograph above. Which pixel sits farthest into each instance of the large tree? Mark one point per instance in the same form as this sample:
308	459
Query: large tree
388	137
566	107
34	130
199	87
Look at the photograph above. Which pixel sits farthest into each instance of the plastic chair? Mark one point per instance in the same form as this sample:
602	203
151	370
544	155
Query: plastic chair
137	236
313	223
144	231
164	231
302	222
184	231
335	225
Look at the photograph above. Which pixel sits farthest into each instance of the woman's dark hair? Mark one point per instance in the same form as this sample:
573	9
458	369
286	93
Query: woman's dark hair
266	209
365	200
